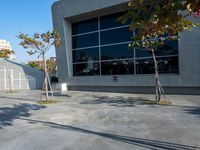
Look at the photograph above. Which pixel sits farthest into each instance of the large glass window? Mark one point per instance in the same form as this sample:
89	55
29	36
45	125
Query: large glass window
116	36
100	47
144	66
169	48
85	55
85	26
86	40
86	69
110	21
165	65
120	51
118	67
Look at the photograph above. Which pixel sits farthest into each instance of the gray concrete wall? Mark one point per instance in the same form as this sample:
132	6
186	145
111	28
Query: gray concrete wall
65	12
19	76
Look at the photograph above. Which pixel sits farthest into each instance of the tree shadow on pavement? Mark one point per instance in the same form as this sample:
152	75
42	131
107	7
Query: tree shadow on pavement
140	142
61	94
9	114
119	101
18	98
193	110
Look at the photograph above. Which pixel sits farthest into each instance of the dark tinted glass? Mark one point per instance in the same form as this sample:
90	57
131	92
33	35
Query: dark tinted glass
168	65
120	51
165	65
116	36
85	26
85	40
110	21
117	67
169	48
86	69
144	66
142	53
85	55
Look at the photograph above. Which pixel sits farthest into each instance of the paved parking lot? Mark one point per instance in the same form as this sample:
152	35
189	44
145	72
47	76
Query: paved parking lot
98	121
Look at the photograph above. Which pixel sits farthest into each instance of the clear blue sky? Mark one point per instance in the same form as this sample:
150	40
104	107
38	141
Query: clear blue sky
28	16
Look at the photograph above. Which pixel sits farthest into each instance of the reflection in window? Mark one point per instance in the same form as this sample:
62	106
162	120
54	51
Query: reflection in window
85	55
165	65
113	52
142	53
110	21
121	67
169	48
119	51
116	36
85	26
85	40
144	66
168	65
86	69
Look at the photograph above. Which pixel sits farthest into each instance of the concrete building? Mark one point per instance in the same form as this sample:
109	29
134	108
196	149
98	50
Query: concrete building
6	45
94	54
18	76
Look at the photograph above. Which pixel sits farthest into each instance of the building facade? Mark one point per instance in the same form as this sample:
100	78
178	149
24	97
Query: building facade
6	45
95	55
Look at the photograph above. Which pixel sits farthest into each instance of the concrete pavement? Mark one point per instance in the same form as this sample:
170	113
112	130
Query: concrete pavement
98	121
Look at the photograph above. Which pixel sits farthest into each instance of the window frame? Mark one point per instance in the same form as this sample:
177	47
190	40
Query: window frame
99	46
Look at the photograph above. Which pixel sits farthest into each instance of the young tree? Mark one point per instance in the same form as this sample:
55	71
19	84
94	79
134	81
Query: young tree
5	53
40	44
51	65
35	65
156	21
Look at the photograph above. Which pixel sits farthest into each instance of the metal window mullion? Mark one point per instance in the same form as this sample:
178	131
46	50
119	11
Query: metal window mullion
104	45
117	59
150	57
113	28
99	36
134	56
82	48
113	44
84	62
85	33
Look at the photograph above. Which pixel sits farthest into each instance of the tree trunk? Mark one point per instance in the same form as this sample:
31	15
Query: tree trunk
45	79
158	87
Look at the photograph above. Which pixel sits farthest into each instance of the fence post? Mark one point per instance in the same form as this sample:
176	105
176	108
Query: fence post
11	79
20	81
27	82
5	78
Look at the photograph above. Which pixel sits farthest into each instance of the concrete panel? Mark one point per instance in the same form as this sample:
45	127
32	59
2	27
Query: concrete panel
16	76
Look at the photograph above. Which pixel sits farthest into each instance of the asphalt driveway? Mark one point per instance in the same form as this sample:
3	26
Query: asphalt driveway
98	121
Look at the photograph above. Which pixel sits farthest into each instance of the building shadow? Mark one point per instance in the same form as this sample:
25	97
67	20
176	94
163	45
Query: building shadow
119	101
9	114
140	142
